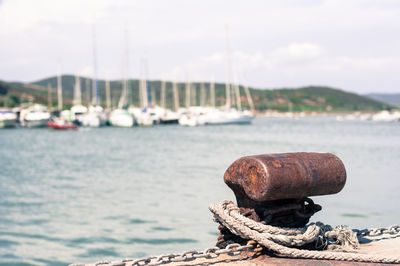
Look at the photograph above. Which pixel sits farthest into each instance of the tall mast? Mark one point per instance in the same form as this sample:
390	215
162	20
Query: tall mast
202	95
228	69
248	94
141	91
95	100
237	93
122	99
144	93
148	86
59	93
249	99
87	92
77	91
233	98
143	87
237	89
49	98
127	69
162	100
187	93
148	93
212	93
176	96
108	95
194	96
153	97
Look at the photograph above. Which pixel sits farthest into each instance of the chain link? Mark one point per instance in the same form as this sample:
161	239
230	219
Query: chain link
392	230
231	250
209	253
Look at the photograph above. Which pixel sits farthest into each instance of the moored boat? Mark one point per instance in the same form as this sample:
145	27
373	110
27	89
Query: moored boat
121	118
169	117
34	116
95	117
7	118
61	124
229	117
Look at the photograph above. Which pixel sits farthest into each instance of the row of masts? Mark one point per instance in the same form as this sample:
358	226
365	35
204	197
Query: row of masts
232	90
147	95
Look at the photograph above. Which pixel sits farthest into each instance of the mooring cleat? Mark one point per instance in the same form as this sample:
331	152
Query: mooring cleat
274	188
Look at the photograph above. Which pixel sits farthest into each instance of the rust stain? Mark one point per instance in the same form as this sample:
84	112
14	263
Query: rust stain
270	177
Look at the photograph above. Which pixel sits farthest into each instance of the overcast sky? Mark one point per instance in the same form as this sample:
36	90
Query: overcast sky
352	45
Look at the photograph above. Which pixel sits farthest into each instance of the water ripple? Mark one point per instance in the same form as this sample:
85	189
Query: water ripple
161	241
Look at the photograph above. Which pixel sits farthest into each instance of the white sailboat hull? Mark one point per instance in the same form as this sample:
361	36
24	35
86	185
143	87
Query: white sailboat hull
7	123
121	119
91	121
7	119
35	123
36	119
35	116
188	121
230	121
228	117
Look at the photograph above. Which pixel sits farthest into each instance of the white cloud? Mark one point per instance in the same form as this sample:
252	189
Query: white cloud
85	71
296	53
20	15
216	58
364	63
254	60
305	61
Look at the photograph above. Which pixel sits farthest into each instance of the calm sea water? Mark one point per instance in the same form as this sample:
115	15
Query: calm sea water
110	193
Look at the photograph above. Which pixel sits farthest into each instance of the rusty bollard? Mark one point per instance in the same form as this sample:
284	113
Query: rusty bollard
274	188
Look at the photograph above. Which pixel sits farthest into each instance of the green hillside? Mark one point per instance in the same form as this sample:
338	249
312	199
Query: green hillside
312	98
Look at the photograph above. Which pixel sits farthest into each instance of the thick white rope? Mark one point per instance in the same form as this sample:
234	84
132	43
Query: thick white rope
281	240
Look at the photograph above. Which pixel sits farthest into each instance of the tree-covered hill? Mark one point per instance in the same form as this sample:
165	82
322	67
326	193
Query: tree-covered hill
312	98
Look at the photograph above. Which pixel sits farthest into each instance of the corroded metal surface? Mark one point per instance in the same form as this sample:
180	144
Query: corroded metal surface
260	179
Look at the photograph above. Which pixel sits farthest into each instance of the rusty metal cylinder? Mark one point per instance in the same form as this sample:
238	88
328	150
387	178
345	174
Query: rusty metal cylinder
271	177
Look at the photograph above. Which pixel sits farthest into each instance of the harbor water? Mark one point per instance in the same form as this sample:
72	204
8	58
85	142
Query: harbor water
111	193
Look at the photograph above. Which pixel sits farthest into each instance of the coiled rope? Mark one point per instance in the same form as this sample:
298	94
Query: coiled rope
283	240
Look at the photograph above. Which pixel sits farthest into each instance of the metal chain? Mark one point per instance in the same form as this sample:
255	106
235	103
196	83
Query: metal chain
231	250
392	230
209	253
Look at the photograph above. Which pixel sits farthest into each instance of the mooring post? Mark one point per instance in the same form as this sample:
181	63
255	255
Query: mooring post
274	188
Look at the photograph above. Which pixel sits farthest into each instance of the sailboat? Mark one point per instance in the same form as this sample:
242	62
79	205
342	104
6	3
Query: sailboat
168	116
120	117
78	110
35	115
95	116
7	118
229	114
194	115
65	118
91	116
148	115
